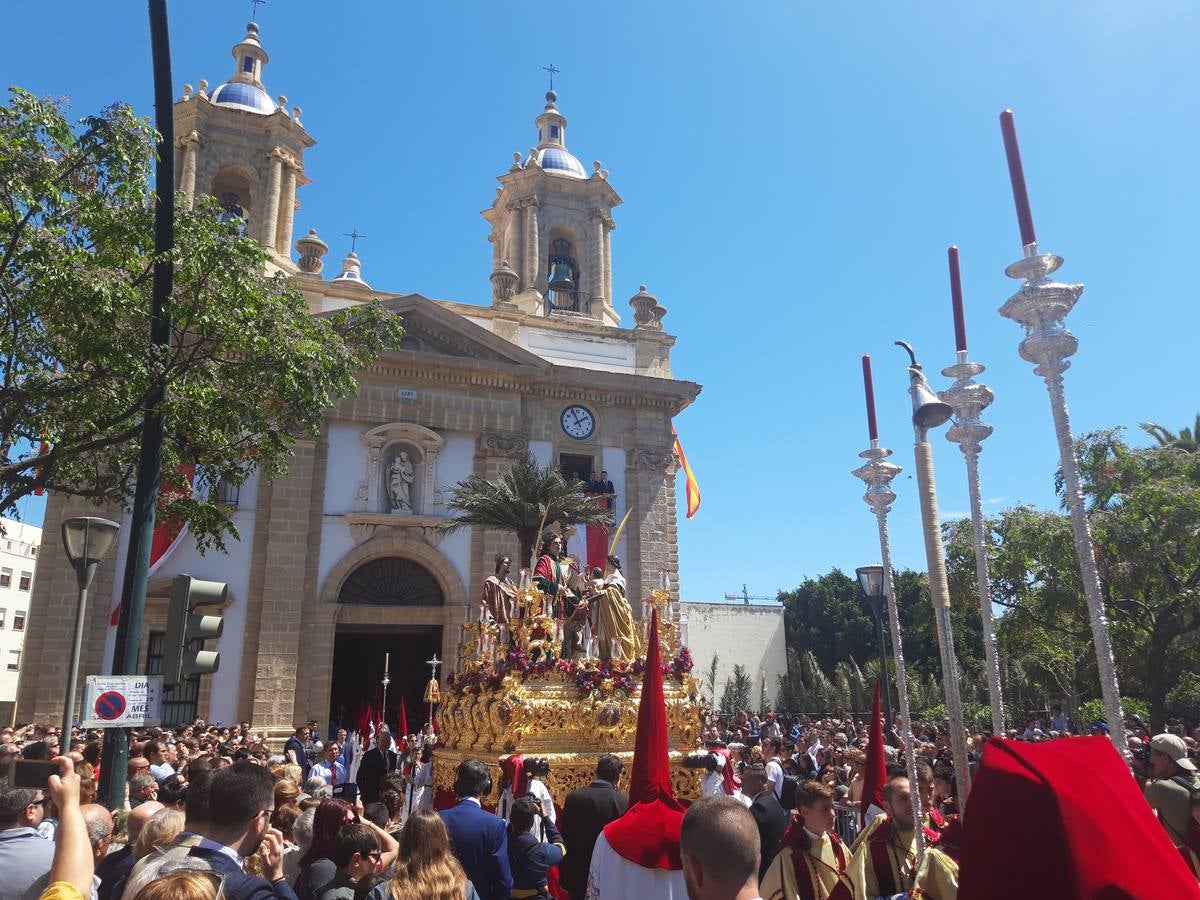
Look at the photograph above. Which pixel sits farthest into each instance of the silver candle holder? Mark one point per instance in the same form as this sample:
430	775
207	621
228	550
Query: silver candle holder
878	473
969	398
1041	306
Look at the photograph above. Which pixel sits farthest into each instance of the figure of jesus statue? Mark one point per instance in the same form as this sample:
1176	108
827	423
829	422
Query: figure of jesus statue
400	479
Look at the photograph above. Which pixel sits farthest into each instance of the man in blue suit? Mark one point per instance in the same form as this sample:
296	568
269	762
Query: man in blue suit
478	838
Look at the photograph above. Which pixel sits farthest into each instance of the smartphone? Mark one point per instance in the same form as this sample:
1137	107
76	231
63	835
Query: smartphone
33	773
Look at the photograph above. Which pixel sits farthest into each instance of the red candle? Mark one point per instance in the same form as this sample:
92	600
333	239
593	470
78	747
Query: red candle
1016	174
960	324
872	427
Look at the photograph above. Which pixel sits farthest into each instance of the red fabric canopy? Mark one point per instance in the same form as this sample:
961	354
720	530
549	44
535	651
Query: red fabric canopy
1064	819
648	834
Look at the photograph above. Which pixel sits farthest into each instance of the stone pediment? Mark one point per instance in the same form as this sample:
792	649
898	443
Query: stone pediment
432	329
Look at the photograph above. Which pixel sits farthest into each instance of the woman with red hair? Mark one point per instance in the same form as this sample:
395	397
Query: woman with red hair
317	868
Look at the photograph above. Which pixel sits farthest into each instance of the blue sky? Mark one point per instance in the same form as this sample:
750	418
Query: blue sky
792	174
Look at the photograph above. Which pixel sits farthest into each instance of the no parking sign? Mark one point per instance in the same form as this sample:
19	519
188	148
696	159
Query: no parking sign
122	701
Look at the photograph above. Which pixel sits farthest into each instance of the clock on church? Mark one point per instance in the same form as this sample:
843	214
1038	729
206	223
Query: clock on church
578	422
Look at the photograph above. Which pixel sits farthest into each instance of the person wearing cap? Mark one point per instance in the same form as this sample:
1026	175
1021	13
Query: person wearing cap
1174	781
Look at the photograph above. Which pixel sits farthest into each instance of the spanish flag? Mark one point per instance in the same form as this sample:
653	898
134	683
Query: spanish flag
693	489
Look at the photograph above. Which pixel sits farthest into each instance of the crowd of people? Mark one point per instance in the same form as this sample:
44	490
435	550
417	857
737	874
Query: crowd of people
214	811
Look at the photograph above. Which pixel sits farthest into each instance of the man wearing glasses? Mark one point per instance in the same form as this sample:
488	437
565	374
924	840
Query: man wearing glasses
25	856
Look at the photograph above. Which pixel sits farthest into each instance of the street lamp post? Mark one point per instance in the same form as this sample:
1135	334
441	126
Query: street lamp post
87	541
870	582
931	412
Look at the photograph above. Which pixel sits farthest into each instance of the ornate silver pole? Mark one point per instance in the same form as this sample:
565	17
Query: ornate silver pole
878	473
930	412
1041	305
969	398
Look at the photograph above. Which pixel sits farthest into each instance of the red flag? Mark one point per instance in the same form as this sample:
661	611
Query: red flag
403	718
875	775
691	488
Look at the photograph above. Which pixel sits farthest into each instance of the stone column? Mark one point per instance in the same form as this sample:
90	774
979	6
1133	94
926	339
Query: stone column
270	217
650	489
529	271
596	274
287	210
187	181
608	287
285	565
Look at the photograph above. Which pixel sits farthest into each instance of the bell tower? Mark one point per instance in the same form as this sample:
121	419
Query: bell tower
240	146
552	230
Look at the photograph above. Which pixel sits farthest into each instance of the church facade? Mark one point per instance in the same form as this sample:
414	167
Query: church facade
339	564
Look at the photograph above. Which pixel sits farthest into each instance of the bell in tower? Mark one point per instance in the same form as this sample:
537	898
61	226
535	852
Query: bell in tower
552	227
245	149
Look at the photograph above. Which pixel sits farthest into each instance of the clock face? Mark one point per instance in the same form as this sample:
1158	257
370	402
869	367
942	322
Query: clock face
578	422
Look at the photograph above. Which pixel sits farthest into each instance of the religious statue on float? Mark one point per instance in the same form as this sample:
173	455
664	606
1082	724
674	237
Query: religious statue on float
617	636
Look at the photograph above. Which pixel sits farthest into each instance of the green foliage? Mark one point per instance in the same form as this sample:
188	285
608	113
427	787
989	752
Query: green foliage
1187	439
710	679
1093	710
738	691
248	370
522	499
1184	698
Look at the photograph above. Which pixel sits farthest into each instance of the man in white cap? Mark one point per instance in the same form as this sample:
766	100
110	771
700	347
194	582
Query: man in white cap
1174	782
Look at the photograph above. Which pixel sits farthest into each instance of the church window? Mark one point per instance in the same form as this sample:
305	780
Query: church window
180	703
554	131
392	581
247	63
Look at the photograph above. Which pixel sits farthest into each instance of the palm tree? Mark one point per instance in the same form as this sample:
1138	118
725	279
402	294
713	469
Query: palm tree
1188	439
523	500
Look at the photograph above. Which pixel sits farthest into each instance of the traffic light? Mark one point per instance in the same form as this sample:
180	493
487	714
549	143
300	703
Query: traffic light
184	626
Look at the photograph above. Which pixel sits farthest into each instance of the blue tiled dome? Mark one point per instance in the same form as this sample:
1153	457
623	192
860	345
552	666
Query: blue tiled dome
245	96
555	160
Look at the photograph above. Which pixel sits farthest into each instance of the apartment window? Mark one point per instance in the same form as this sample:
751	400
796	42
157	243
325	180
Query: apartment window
26	581
3	617
5	577
19	620
228	493
14	660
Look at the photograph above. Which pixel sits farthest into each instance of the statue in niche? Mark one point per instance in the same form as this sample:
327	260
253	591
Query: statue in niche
400	478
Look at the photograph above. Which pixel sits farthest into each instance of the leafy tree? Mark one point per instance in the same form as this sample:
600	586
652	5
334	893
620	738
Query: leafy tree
248	369
1187	439
1145	521
523	499
737	693
1184	698
710	678
826	618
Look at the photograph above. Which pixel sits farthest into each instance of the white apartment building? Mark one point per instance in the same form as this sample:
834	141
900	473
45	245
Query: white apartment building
18	562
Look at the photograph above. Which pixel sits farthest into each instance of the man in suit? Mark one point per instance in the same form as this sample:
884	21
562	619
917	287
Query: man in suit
240	800
585	813
768	813
117	865
380	760
296	751
478	838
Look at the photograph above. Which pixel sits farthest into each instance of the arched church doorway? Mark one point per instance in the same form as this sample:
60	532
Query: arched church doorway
404	641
